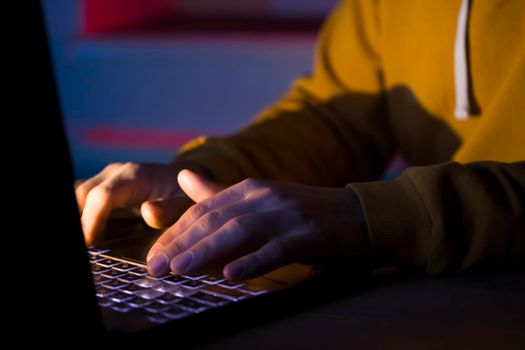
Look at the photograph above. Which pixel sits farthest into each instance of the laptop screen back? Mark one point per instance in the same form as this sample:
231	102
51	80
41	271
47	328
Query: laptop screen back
61	296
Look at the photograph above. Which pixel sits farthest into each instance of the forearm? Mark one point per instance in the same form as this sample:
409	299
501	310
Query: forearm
449	217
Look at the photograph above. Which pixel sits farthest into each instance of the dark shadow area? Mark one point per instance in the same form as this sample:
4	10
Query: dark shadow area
423	138
350	138
475	109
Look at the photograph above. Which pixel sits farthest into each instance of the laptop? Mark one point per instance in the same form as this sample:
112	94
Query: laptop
104	293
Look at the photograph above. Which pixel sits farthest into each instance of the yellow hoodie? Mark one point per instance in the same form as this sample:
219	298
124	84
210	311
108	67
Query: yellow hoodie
442	82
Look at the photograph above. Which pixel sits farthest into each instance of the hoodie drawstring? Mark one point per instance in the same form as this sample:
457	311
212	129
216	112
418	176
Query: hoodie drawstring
461	69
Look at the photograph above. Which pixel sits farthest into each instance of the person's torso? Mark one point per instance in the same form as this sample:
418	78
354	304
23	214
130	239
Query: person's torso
418	43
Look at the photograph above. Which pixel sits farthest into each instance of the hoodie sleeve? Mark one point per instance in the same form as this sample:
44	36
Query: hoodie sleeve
329	129
449	217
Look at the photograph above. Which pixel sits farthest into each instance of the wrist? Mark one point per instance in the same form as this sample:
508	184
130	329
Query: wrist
359	226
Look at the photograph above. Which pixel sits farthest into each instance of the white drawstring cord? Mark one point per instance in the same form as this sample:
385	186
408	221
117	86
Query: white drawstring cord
461	71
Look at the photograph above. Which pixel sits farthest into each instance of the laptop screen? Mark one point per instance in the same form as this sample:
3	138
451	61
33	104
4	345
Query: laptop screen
59	290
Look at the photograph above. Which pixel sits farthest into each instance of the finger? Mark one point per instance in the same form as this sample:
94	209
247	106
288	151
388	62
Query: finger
243	191
125	185
226	197
211	222
109	194
268	258
161	213
230	236
197	187
82	189
221	224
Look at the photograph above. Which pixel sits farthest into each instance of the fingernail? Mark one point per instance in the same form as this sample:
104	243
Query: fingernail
158	264
183	177
237	271
182	262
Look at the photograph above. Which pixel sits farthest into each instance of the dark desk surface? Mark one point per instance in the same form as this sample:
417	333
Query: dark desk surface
469	312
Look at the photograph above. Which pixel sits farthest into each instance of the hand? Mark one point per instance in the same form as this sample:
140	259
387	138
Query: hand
153	186
263	224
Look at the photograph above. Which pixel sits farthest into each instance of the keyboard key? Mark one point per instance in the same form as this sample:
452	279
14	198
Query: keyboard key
194	275
167	298
166	288
253	289
138	302
97	251
209	299
231	284
212	279
158	278
139	271
113	273
131	288
147	282
120	297
103	291
107	262
124	267
148	294
129	278
105	302
232	294
121	307
175	279
95	258
155	307
195	284
182	292
157	318
175	312
99	279
97	269
192	305
114	284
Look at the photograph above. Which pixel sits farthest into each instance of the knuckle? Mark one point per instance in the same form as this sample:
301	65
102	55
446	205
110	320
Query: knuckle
237	225
130	168
176	246
112	166
251	183
274	193
196	211
276	198
82	190
275	247
101	192
211	219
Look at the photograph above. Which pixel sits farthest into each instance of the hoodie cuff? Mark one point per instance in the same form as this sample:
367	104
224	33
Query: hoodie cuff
397	221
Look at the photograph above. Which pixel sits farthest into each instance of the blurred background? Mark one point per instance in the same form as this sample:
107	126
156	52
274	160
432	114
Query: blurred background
138	78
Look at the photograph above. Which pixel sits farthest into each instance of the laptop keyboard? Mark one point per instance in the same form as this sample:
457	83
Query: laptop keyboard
126	287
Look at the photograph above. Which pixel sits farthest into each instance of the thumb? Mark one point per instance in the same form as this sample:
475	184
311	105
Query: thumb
197	187
161	213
